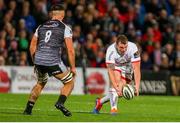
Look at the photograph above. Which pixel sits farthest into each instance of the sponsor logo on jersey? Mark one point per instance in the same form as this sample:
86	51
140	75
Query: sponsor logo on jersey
136	54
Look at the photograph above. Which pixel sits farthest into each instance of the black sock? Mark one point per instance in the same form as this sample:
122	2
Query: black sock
62	99
29	106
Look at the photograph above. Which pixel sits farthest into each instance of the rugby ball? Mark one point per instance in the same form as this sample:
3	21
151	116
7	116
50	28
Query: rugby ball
128	91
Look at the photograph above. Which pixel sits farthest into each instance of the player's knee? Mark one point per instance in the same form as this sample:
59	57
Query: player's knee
42	84
70	84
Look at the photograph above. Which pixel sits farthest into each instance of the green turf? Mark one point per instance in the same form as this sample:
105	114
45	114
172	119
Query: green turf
142	108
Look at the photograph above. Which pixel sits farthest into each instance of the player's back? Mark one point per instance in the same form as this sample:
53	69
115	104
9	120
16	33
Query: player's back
50	41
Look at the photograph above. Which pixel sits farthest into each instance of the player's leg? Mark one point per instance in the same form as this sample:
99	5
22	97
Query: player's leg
36	91
100	101
68	81
113	94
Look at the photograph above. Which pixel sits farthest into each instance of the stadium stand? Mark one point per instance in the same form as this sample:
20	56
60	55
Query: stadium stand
154	25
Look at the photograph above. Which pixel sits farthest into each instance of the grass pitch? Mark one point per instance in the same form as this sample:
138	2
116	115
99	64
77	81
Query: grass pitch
142	108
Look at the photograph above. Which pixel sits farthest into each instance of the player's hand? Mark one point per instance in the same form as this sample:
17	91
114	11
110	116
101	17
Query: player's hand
120	88
119	91
73	70
136	91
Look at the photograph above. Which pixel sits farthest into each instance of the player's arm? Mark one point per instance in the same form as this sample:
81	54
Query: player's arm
70	48
33	46
137	75
71	53
135	60
110	63
112	77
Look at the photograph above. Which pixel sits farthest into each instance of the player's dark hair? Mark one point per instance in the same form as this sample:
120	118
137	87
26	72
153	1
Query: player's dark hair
122	39
57	7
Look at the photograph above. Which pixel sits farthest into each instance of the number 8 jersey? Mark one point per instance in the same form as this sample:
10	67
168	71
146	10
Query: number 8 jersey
50	36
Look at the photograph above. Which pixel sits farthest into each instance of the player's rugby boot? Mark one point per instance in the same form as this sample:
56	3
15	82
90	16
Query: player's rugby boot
27	112
114	111
97	107
63	109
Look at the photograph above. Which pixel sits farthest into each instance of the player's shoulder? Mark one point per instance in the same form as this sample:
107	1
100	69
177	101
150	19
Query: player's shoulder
131	45
111	47
66	26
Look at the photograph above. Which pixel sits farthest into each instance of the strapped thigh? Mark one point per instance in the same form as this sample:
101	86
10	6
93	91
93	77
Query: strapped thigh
65	77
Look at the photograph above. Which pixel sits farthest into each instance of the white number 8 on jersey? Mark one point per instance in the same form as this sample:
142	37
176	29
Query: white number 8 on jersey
48	35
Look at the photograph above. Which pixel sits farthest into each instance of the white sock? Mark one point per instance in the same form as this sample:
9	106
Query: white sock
105	99
113	98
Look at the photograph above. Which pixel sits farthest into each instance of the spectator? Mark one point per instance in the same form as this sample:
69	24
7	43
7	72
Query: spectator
177	56
148	22
11	36
2	9
114	20
157	53
157	32
165	62
140	11
163	20
146	63
40	11
78	15
3	50
2	61
23	59
2	13
95	24
12	6
29	19
102	7
149	40
153	6
89	53
100	59
69	18
168	51
13	54
3	34
23	43
175	19
170	6
168	35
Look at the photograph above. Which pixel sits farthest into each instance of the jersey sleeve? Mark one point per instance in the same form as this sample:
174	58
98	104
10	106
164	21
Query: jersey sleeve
110	56
36	32
67	32
135	54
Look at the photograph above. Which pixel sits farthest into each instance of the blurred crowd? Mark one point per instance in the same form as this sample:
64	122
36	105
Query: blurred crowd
154	25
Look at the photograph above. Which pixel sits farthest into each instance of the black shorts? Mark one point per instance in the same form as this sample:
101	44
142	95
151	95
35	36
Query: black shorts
51	70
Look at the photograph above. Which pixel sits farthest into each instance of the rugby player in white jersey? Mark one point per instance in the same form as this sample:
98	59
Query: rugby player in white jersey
122	60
